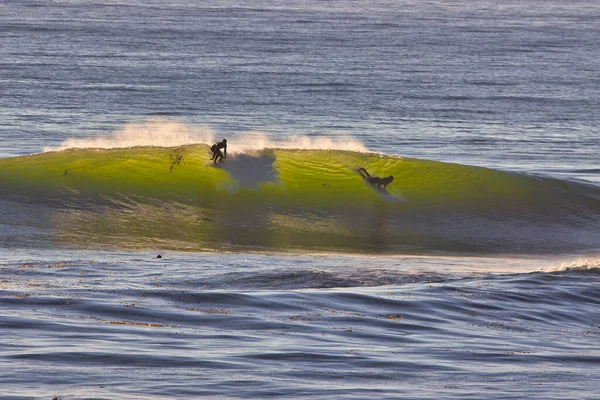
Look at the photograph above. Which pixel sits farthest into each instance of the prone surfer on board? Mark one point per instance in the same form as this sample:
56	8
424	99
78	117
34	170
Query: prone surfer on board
375	180
218	156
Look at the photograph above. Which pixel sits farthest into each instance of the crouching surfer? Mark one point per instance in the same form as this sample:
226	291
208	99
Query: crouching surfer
217	155
375	180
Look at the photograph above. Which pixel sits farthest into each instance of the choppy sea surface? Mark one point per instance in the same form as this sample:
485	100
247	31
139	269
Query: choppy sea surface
130	267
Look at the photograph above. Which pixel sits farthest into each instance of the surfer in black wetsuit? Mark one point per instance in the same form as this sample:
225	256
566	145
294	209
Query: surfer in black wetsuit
375	180
216	150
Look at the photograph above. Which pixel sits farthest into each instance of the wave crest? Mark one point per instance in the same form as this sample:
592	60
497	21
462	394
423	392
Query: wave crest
170	133
155	133
582	264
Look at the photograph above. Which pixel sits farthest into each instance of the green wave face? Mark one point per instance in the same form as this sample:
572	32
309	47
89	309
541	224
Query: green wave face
279	199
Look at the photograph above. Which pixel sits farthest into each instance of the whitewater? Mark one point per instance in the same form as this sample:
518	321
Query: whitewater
132	267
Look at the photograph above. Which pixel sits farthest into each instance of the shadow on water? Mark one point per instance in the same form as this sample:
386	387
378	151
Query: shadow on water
250	170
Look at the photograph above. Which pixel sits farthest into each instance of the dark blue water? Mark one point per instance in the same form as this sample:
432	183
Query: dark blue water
219	325
511	85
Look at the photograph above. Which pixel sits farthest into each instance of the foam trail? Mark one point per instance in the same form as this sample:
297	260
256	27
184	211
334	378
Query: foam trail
169	133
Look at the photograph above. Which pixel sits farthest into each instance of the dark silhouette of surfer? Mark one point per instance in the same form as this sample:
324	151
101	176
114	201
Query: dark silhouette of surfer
218	156
375	180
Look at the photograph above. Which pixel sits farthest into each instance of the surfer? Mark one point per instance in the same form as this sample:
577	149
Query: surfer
216	150
375	180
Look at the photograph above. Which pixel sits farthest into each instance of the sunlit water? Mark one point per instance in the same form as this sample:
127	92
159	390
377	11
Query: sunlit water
94	314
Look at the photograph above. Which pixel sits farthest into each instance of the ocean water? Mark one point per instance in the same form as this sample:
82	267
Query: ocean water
133	268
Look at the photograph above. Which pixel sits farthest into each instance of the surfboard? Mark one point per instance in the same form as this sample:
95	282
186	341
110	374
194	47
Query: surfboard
387	196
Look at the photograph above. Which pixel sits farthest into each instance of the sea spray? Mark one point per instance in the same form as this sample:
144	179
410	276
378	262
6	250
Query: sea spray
161	132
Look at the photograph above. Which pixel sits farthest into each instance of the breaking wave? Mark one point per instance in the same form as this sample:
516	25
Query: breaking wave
284	199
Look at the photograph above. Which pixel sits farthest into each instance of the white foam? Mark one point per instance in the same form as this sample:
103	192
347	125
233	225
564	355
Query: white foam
582	264
170	133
